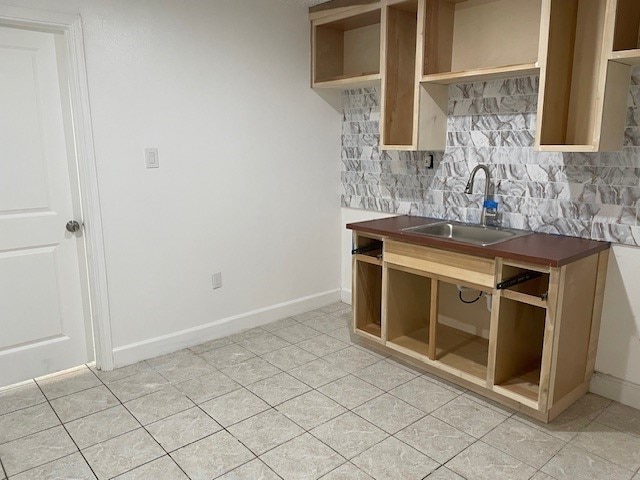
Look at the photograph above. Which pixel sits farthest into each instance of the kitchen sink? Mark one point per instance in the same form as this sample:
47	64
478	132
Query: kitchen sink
462	232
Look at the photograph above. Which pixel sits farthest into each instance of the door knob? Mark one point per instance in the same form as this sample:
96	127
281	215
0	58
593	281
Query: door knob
72	226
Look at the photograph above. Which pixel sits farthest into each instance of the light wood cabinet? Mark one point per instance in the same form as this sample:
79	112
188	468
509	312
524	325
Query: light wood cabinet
583	51
532	347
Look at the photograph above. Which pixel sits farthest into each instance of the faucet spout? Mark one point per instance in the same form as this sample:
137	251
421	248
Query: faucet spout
469	188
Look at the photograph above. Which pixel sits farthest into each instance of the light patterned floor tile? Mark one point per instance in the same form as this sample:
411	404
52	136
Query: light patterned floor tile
138	385
385	375
84	403
573	463
227	356
250	371
199	390
164	468
211	345
423	394
280	324
36	450
349	434
68	383
389	413
158	405
392	460
317	373
261	344
234	407
617	447
303	317
565	426
436	439
289	358
19	397
121	454
590	406
279	388
523	442
296	333
27	421
183	428
344	335
120	373
253	470
70	467
212	456
322	345
325	323
337	307
265	431
303	458
621	417
101	426
469	416
310	410
244	334
350	391
443	473
483	462
351	359
181	366
346	471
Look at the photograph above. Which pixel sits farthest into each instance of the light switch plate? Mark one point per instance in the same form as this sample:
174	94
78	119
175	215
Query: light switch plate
151	158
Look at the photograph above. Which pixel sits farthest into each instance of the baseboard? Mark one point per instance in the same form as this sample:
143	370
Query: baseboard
135	352
345	295
616	389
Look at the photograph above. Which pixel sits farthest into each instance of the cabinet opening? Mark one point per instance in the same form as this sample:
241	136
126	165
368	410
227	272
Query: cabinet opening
519	345
480	34
627	30
537	287
571	89
368	298
462	332
370	248
347	48
400	74
408	312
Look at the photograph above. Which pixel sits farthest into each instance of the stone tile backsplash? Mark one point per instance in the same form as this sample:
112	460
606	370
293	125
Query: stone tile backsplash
590	195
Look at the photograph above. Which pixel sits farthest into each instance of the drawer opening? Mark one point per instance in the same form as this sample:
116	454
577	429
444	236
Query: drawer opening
519	346
408	312
368	298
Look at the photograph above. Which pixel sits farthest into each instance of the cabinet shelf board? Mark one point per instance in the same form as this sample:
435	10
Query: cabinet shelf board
482	74
462	351
524	298
566	148
525	384
348	81
371	328
628	57
372	259
413	341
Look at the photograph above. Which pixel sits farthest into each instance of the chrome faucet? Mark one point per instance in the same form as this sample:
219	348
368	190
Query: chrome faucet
469	189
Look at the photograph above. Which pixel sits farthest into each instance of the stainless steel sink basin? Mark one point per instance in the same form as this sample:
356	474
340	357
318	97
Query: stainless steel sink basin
462	232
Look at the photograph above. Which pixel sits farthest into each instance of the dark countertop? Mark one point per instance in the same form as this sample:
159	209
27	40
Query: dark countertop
537	248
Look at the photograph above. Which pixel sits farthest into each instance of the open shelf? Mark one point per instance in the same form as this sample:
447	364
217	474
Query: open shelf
367	295
480	34
399	100
627	27
519	343
534	291
482	74
408	313
346	52
627	57
572	80
463	351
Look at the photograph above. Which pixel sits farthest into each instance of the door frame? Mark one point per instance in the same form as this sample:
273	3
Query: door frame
71	26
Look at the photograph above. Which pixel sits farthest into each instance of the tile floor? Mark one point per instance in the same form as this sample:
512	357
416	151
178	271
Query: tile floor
296	399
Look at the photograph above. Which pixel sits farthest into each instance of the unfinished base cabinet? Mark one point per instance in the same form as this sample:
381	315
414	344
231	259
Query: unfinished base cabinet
522	334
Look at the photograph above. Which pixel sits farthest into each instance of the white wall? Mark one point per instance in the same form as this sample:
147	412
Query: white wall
618	357
248	177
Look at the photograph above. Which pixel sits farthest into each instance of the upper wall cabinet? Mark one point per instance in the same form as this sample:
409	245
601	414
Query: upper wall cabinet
583	51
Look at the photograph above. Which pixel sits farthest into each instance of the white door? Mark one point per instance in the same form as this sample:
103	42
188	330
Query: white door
42	319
